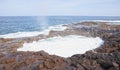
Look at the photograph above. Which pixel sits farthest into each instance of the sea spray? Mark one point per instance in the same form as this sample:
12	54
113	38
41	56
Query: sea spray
43	22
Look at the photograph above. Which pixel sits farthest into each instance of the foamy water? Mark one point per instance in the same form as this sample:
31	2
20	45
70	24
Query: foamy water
34	33
63	46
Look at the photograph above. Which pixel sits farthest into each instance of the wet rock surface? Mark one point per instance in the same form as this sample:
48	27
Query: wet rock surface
106	57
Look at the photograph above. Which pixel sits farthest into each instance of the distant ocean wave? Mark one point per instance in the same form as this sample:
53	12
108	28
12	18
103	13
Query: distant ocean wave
34	33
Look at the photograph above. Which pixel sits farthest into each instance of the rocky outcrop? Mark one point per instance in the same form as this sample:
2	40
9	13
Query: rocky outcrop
32	61
43	61
106	57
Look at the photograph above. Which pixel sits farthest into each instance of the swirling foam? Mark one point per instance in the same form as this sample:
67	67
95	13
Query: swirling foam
63	46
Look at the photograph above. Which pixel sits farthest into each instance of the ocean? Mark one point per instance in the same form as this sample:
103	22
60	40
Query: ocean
14	25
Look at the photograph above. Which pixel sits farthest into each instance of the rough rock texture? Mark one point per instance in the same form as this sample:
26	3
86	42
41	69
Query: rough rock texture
32	61
106	57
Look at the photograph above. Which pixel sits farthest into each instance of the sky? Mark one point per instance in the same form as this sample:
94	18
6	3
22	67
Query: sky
59	7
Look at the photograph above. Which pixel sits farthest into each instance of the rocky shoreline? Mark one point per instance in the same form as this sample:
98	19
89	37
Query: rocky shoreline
106	57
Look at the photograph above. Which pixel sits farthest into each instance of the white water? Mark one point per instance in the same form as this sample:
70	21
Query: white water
110	21
63	46
35	33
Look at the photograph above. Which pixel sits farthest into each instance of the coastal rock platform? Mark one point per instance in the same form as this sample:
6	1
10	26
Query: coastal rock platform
105	57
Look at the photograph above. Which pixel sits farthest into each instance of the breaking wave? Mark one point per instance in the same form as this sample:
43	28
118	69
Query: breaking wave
34	33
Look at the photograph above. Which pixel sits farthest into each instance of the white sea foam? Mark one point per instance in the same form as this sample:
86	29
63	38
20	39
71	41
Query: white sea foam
35	33
21	34
63	46
57	28
118	21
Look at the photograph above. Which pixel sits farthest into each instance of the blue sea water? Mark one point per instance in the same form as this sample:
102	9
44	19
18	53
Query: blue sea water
13	24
